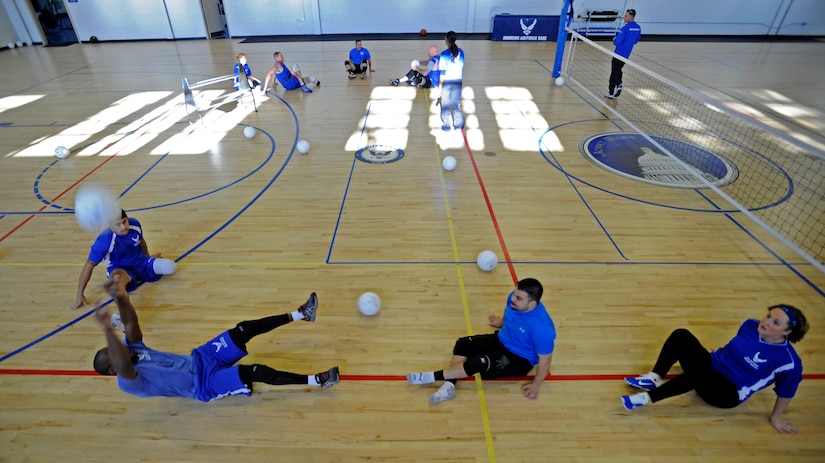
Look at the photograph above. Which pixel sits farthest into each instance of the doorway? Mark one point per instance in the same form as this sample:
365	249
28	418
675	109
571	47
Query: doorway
57	27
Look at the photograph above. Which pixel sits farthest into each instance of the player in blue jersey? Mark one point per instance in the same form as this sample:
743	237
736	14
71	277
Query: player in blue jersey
359	61
451	75
627	37
289	79
427	77
241	63
526	338
209	371
127	256
759	355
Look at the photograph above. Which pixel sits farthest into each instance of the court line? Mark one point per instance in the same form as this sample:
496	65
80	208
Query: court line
346	189
194	248
465	305
490	209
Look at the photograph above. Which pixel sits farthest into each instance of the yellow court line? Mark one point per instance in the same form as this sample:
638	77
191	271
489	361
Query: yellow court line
482	402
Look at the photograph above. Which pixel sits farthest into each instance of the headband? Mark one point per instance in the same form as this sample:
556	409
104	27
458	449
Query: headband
790	315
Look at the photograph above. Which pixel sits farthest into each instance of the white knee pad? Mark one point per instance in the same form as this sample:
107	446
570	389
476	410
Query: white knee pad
164	266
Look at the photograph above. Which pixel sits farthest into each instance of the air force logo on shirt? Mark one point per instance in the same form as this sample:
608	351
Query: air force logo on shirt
219	344
755	361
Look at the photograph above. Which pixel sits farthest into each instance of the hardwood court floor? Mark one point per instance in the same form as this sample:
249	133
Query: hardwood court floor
255	227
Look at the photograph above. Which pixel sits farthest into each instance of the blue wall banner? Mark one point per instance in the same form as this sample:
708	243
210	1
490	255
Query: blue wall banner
519	28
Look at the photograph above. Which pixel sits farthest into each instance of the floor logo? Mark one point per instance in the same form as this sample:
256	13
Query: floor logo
379	154
631	155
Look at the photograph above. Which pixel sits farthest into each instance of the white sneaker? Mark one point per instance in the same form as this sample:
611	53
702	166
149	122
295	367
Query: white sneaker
445	392
116	322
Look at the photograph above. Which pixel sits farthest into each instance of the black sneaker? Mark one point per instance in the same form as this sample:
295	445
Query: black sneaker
395	82
618	91
328	378
309	308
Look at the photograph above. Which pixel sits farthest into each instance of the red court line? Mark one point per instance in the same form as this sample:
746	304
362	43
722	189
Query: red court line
490	210
610	377
29	218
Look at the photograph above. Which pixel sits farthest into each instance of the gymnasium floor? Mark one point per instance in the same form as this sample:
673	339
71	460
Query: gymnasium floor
256	226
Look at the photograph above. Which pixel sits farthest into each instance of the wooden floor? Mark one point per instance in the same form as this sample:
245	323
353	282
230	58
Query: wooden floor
255	227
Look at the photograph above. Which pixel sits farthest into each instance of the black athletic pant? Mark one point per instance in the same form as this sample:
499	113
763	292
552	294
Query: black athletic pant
683	347
243	333
615	74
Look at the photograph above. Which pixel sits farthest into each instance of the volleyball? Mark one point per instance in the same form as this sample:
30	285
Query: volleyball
249	131
559	81
448	163
303	147
96	207
369	304
415	63
487	260
61	152
423	31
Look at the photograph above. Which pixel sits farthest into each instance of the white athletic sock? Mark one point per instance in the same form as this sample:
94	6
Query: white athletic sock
657	380
312	380
297	316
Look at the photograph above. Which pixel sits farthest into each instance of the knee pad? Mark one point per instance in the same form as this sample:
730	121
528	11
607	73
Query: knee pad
477	364
164	266
462	347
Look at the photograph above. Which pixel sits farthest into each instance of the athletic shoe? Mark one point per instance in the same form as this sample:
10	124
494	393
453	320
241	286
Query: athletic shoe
328	378
364	74
117	322
351	75
618	91
445	392
309	308
395	82
421	378
647	381
306	89
609	95
631	402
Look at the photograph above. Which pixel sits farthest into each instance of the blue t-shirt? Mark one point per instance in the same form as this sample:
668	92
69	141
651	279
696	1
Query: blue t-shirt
207	374
528	334
753	364
628	36
120	251
160	374
247	72
434	74
357	56
451	69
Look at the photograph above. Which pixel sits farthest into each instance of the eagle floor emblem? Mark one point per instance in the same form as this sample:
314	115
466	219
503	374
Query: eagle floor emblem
632	156
379	154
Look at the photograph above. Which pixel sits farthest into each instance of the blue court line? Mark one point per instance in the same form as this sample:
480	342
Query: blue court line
346	189
770	251
194	248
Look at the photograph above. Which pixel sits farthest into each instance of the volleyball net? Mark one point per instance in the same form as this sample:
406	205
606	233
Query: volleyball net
775	180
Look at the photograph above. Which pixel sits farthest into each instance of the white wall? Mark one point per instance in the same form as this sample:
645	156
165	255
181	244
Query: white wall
720	17
18	23
148	19
137	19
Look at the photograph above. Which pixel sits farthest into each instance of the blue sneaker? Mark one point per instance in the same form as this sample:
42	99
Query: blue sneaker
642	382
634	401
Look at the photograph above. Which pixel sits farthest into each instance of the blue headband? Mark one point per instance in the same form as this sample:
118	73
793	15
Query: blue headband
790	315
